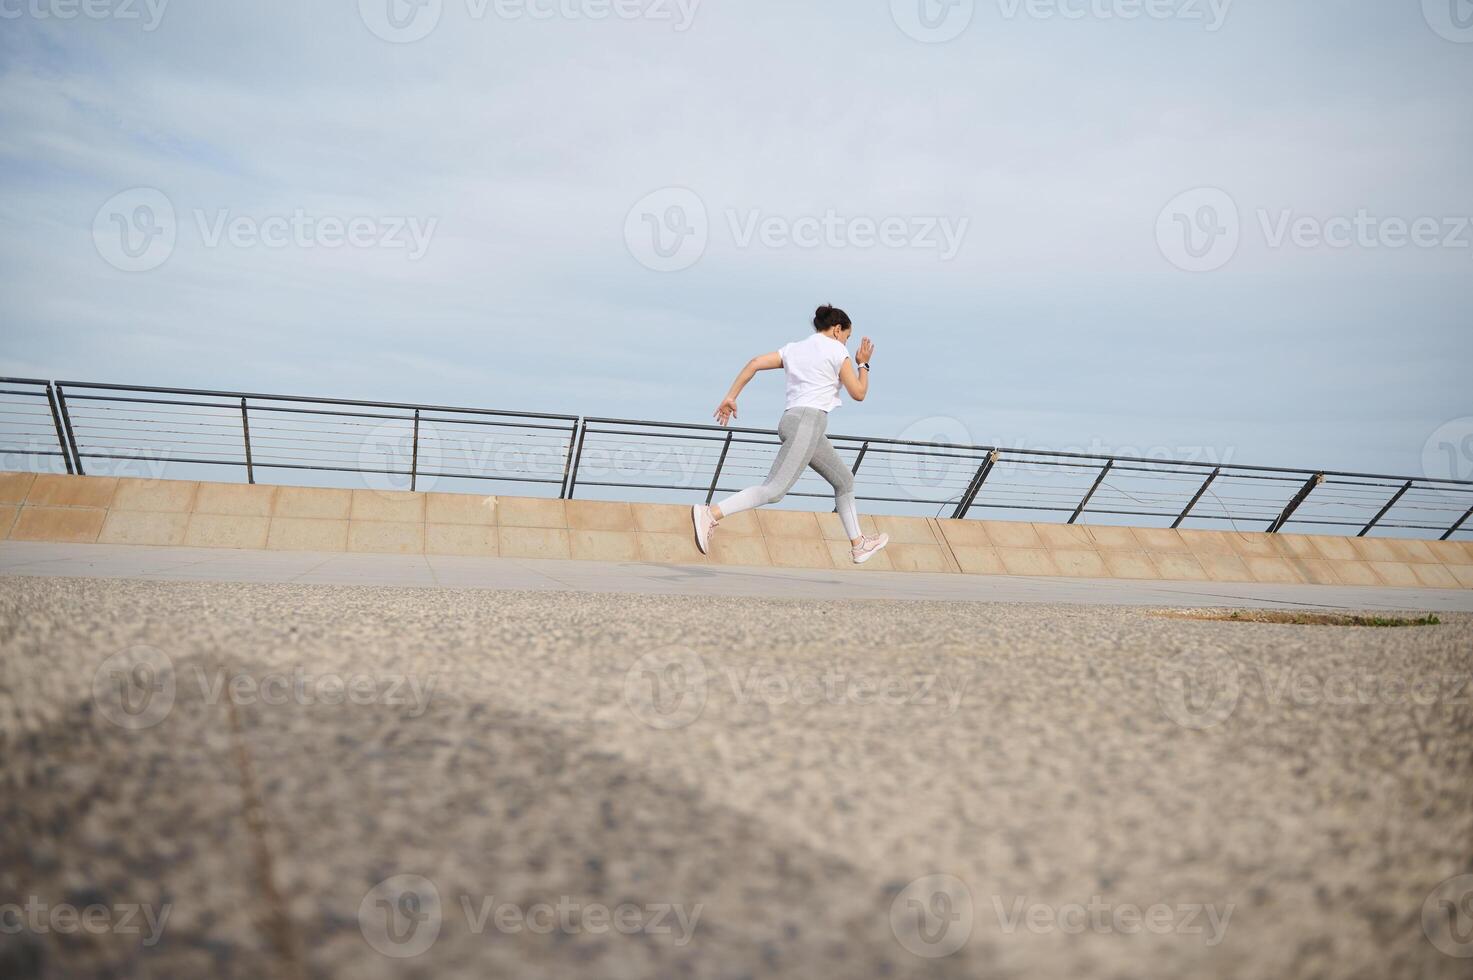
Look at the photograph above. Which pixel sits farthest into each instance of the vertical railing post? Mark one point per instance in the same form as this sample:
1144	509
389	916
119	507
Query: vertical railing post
582	436
568	457
1461	521
854	470
66	454
1382	512
974	486
1095	486
1196	497
1293	505
414	455
720	462
66	424
245	427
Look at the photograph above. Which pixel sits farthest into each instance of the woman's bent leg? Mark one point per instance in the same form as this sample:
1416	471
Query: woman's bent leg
829	466
801	431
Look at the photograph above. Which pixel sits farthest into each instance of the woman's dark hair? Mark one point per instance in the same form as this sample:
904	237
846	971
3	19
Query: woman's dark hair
830	316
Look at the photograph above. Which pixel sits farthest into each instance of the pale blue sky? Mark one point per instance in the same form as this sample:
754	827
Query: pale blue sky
520	145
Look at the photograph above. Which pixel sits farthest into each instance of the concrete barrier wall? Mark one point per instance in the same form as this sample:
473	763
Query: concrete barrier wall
113	510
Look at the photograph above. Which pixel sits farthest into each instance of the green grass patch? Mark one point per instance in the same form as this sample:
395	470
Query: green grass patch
1295	618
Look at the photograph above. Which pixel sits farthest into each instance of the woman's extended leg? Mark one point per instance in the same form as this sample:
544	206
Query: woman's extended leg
801	431
827	463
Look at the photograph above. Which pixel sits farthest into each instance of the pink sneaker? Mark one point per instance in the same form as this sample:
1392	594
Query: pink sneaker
868	547
700	516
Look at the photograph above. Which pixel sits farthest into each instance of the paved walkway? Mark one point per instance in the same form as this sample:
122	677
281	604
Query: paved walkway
433	571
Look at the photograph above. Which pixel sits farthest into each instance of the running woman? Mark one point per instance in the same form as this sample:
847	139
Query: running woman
815	370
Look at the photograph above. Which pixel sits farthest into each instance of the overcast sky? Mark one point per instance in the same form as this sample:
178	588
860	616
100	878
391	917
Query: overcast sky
1179	225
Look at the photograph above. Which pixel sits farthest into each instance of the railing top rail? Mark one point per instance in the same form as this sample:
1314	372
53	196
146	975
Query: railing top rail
206	392
24	381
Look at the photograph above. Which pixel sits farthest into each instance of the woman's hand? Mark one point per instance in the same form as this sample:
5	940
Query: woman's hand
726	410
866	351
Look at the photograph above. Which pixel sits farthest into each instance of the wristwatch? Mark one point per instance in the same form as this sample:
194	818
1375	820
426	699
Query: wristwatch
863	367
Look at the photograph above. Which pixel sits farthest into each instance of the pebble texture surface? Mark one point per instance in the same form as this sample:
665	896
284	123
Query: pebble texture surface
316	780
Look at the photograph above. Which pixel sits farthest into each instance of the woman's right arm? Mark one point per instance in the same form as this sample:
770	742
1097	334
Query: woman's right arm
727	410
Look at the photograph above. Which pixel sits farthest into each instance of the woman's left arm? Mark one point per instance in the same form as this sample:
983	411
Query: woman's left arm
727	410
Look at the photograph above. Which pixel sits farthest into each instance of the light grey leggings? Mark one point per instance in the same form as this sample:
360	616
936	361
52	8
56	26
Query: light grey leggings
804	444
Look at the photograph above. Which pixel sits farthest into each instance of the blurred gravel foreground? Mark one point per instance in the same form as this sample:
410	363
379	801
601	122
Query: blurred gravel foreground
226	780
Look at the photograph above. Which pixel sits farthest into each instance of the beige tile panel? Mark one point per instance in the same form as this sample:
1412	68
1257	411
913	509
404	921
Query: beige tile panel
71	524
907	530
1223	568
533	542
604	545
1026	561
1375	549
1271	569
234	499
387	505
746	524
1462	573
1434	576
163	496
8	514
800	552
669	546
15	486
461	508
964	534
531	512
906	557
1108	539
60	490
1395	573
143	527
1130	564
1355	573
600	515
785	524
226	530
1179	568
1411	550
841	553
1452	552
1011	534
319	502
1209	543
307	534
663	519
387	537
1335	548
461	539
1161	540
1079	563
1253	544
743	549
1297	546
976	559
1316	571
1065	537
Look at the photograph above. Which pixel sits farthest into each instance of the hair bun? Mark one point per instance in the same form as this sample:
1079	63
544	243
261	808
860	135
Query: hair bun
821	316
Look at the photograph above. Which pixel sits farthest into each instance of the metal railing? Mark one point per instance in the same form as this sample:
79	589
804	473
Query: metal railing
80	426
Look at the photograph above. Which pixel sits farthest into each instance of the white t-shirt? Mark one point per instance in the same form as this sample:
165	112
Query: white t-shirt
812	369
